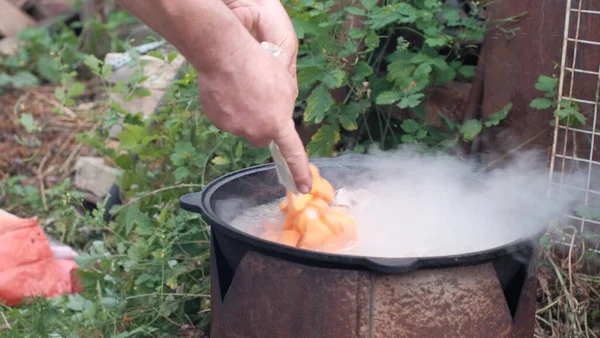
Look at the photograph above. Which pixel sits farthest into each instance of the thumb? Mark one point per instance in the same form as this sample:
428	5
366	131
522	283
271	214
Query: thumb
293	152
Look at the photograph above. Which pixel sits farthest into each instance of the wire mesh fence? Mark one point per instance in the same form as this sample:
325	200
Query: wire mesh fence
577	132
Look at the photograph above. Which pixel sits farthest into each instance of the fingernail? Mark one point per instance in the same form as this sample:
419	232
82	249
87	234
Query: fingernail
304	189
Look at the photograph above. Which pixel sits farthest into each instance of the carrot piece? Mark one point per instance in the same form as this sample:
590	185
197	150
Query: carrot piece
310	214
333	222
349	227
316	233
319	203
289	222
290	237
297	202
283	205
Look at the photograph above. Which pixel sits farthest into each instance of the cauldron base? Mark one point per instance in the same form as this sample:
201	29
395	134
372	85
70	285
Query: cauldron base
271	297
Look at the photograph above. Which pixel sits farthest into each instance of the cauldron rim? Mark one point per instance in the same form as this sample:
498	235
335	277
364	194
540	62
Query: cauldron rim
199	202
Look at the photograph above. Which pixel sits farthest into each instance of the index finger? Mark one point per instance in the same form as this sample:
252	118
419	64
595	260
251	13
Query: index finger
292	150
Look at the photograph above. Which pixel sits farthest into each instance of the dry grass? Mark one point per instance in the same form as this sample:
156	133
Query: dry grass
569	291
44	156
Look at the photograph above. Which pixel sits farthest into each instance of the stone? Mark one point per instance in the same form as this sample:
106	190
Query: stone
160	75
94	177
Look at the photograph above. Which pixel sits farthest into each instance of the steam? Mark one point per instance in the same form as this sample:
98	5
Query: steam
415	204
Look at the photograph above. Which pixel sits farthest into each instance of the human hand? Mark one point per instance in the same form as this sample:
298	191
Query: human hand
252	95
268	21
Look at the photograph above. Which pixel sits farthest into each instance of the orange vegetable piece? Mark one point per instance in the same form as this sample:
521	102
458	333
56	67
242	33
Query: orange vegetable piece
316	233
297	202
289	222
290	237
333	222
323	189
310	221
310	214
283	205
318	203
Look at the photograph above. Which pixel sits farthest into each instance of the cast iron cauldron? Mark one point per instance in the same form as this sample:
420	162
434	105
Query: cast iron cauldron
264	289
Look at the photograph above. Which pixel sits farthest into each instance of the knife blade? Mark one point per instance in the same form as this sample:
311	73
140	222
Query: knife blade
281	167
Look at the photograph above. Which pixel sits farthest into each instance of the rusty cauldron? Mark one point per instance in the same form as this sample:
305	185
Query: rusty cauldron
262	289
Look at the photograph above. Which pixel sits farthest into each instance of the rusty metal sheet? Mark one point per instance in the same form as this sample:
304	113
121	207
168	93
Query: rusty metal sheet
464	302
271	297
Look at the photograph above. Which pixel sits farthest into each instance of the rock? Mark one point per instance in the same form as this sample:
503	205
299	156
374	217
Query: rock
160	75
94	177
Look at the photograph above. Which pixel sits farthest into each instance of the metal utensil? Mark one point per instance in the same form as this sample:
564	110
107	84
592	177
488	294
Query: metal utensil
283	171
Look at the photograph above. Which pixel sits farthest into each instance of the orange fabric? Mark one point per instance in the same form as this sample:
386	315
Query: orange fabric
27	265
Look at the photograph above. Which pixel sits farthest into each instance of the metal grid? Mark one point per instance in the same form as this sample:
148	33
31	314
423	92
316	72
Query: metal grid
575	149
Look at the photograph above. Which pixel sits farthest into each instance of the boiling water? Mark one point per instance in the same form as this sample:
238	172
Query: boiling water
423	206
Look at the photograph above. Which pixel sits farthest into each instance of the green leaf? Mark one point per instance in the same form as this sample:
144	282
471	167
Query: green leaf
362	70
422	71
92	63
60	94
308	76
452	16
470	129
334	78
131	136
24	79
588	212
431	3
350	113
368	4
356	33
355	11
400	72
546	83
318	103
540	103
411	100
156	54
28	122
48	68
437	41
410	126
323	142
407	138
76	89
125	161
495	118
142	92
106	70
172	56
220	160
388	97
372	41
421	134
467	71
181	173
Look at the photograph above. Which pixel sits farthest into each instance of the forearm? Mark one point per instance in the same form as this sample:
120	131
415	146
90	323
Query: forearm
206	32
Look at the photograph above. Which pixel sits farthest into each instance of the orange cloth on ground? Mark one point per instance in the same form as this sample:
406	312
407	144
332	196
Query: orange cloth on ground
27	265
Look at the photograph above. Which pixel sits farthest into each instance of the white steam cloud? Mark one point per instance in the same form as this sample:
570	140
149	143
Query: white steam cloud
414	204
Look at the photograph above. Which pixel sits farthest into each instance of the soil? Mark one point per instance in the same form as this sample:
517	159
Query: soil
49	151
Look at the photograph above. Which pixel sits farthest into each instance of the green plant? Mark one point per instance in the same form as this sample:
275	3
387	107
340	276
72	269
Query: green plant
566	110
389	63
47	55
